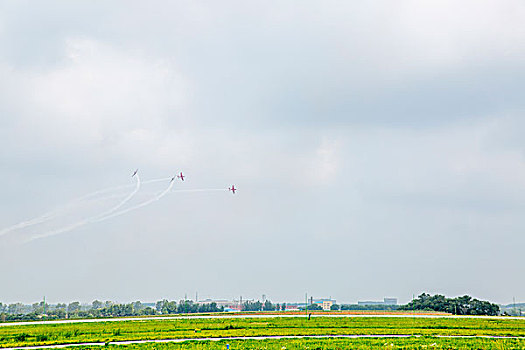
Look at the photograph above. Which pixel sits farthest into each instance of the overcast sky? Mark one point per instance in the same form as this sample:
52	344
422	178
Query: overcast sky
377	147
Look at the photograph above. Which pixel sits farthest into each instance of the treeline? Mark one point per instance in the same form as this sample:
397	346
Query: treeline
465	305
266	306
186	307
21	312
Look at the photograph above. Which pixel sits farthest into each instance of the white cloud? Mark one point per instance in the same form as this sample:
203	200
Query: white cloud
364	123
99	94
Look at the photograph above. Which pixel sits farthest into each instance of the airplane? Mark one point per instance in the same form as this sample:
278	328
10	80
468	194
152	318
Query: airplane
178	177
233	189
135	172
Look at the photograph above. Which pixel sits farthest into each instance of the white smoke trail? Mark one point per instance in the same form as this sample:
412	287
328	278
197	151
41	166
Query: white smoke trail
140	205
106	215
91	219
43	218
53	214
124	201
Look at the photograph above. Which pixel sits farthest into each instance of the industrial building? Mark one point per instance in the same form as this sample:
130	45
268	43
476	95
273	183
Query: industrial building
386	301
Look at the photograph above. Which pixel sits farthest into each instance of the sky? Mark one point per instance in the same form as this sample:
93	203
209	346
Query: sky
377	148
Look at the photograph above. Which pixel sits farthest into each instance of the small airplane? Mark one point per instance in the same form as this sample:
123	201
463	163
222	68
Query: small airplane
180	176
135	172
233	189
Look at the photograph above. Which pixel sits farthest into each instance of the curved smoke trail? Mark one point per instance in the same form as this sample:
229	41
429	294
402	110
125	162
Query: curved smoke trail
91	219
53	214
122	202
140	205
106	215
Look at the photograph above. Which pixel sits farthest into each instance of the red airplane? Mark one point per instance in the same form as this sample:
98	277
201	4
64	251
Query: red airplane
233	189
180	176
135	172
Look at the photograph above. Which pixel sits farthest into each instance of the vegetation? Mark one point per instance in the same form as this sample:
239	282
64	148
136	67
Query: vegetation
74	310
186	307
332	344
464	305
64	333
312	307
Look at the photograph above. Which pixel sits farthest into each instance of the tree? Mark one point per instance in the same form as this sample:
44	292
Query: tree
147	311
186	307
283	306
160	306
137	306
96	304
252	306
464	305
73	307
334	307
268	306
313	307
15	309
38	308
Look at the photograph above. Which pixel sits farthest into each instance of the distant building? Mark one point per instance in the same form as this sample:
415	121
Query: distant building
386	301
326	304
293	306
226	304
219	303
227	309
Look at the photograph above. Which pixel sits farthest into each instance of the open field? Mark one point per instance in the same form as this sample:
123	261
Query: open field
312	342
331	343
151	329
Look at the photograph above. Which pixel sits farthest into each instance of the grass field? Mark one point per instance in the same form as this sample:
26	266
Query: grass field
67	333
333	344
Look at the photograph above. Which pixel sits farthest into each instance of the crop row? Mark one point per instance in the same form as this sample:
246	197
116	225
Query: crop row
412	343
41	334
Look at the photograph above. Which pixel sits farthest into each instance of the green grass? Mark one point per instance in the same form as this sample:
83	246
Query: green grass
43	334
428	343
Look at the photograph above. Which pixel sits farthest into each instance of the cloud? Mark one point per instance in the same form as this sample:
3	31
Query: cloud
387	132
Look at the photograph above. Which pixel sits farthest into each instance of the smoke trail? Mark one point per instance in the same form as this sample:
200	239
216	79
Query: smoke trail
54	213
106	215
91	219
140	205
43	218
124	201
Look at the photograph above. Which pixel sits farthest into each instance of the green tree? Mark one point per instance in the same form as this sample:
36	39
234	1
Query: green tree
268	306
73	307
313	307
96	304
252	306
15	309
464	305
